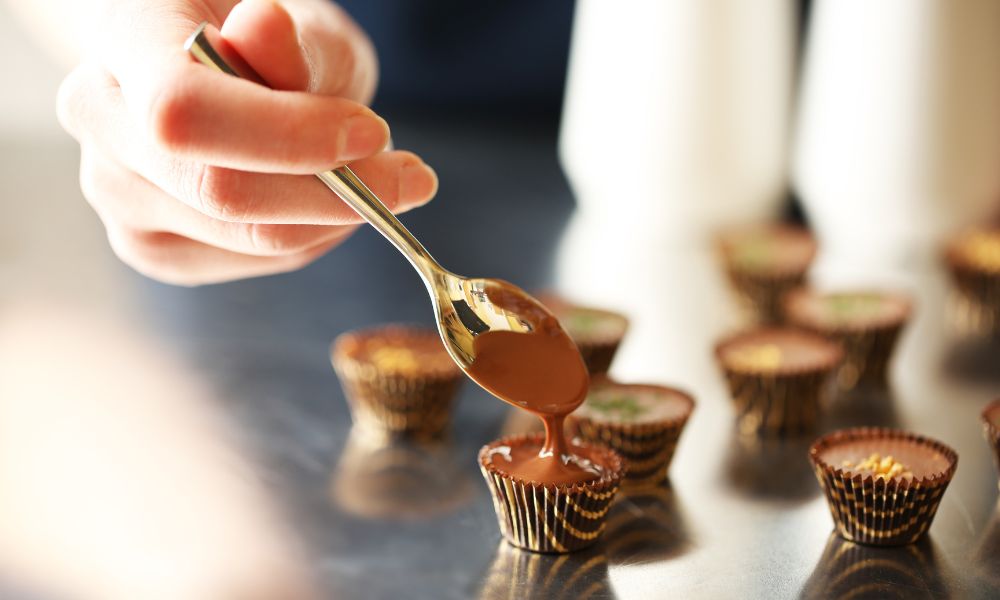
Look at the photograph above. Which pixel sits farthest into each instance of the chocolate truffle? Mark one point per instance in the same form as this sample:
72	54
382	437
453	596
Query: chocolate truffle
765	262
776	377
596	332
973	259
883	486
641	422
865	324
547	517
397	379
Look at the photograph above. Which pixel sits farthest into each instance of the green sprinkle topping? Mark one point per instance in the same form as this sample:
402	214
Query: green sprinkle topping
626	408
580	321
753	252
848	306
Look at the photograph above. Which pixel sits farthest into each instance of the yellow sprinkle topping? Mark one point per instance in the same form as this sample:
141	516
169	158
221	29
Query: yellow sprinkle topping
885	467
982	249
394	359
760	357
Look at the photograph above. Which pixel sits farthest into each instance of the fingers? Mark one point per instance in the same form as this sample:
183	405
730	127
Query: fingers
178	260
126	200
91	108
304	45
199	114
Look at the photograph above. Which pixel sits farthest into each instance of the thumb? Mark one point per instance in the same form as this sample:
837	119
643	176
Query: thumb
303	46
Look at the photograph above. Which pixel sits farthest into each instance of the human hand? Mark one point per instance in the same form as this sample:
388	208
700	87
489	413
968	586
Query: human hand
201	177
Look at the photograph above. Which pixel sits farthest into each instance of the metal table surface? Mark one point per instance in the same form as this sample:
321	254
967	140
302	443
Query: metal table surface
740	517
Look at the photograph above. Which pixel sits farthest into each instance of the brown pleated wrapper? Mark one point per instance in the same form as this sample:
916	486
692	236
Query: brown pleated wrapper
780	402
875	510
551	518
976	303
416	405
760	291
646	447
991	416
867	349
597	352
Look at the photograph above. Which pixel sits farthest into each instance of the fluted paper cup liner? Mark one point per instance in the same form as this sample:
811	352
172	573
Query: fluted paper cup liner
415	403
867	344
546	517
879	511
647	447
784	400
597	345
760	284
976	306
991	428
598	355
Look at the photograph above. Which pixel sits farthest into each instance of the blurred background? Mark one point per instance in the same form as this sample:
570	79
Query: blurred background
164	442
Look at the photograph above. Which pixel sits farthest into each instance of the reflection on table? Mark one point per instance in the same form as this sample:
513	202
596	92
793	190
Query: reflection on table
398	479
516	574
849	570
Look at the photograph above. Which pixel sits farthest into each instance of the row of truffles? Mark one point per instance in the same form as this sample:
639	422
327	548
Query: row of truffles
764	264
882	486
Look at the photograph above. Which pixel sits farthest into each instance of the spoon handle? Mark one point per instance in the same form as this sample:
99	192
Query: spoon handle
342	180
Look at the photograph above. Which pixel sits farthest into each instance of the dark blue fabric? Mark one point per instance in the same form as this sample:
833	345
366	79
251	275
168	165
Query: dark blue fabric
470	56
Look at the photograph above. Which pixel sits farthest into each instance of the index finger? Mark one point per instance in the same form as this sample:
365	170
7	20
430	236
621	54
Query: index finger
197	114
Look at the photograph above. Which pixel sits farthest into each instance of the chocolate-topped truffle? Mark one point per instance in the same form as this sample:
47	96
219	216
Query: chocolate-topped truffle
991	428
865	324
883	485
764	262
539	513
776	377
596	332
973	259
397	379
641	422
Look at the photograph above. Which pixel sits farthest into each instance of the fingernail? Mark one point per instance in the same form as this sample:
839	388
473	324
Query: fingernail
364	135
417	184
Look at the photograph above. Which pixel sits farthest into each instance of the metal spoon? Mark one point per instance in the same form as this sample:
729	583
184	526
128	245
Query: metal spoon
463	308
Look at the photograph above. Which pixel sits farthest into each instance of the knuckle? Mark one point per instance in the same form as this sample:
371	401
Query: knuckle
69	101
218	195
148	254
275	240
170	110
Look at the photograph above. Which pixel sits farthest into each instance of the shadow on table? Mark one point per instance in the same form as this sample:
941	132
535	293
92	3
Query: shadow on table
402	480
873	406
516	574
987	553
771	468
849	570
645	524
974	359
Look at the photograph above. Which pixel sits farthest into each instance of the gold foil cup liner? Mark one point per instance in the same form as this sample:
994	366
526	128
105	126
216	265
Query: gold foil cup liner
760	294
777	403
598	354
417	405
975	306
874	510
647	448
867	350
990	417
545	517
854	571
